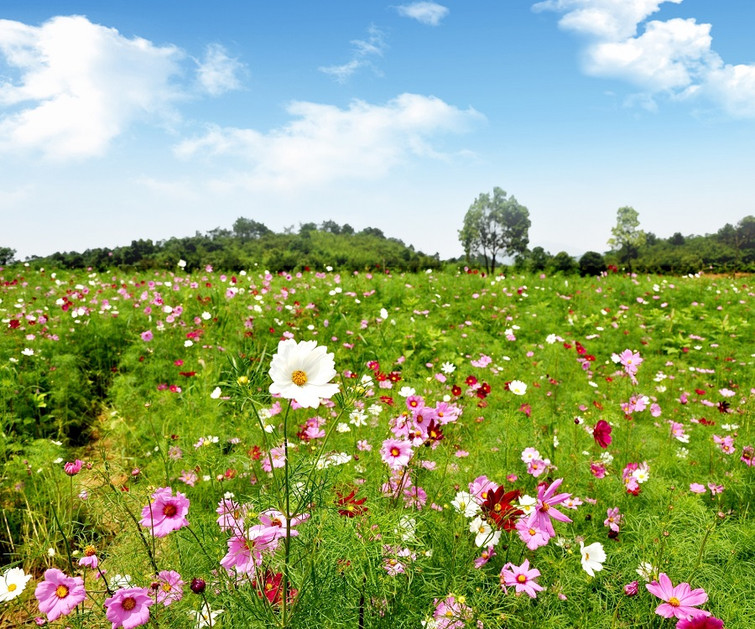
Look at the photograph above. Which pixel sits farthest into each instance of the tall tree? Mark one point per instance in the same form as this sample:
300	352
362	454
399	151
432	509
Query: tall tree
496	225
6	255
626	237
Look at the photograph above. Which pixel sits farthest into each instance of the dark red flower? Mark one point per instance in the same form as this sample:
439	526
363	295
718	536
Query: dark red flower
434	433
498	508
272	589
471	381
602	433
394	376
456	390
349	505
723	406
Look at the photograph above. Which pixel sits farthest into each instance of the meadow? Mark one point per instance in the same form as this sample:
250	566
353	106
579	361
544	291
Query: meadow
320	449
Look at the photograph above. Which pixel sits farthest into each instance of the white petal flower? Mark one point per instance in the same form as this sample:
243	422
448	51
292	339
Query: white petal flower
593	557
302	372
12	583
517	387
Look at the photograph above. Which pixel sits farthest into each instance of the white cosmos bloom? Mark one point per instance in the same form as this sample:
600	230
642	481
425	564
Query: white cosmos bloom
593	557
302	371
484	533
12	583
465	503
517	387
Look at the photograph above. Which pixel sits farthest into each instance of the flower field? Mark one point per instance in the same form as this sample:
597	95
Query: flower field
438	450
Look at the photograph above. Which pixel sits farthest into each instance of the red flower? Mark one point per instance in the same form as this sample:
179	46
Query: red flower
498	507
394	376
349	505
471	381
272	589
602	433
456	390
434	433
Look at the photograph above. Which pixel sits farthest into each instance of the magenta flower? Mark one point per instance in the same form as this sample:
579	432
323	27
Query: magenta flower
602	433
530	535
522	578
395	453
700	622
245	551
613	519
59	594
129	608
168	588
147	336
73	468
166	513
451	613
680	601
547	499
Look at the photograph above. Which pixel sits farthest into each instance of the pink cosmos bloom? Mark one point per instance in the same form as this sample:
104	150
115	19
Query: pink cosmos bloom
485	556
395	453
275	522
700	622
598	470
726	443
613	519
631	589
245	551
522	578
602	433
680	601
451	613
90	559
231	515
748	456
168	588
630	361
146	336
536	467
59	594
547	499
531	536
166	513
715	489
73	468
278	457
129	608
697	488
480	487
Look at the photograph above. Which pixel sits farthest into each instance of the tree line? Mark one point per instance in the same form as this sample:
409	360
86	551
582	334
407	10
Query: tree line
250	243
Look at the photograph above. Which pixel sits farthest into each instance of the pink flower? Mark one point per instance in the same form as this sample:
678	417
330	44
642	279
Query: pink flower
715	489
521	578
680	601
147	336
631	589
166	513
602	433
129	608
613	520
395	453
73	468
168	588
700	622
697	488
531	536
59	594
451	613
630	361
245	551
90	559
598	470
544	511
485	556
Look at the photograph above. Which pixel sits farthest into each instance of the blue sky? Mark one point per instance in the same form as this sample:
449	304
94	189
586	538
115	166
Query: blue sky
124	120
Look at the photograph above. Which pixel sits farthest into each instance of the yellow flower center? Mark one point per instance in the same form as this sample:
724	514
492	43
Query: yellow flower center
587	556
521	578
674	602
395	451
166	587
532	531
61	591
299	378
128	603
12	587
90	550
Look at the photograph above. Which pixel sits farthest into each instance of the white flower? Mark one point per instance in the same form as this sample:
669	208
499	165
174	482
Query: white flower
407	391
182	264
12	583
647	571
302	372
121	581
465	504
215	393
343	427
202	618
517	387
593	557
448	368
406	528
27	351
358	418
527	504
484	533
383	314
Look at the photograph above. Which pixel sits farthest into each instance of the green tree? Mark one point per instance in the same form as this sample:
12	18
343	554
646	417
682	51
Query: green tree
626	237
591	263
248	229
562	262
6	255
539	259
495	225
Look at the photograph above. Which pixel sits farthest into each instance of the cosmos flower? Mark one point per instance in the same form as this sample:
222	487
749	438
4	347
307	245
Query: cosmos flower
129	608
593	557
58	594
12	584
166	512
680	601
522	578
302	372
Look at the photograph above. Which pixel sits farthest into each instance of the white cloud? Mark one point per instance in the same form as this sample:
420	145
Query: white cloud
673	57
79	85
218	73
373	46
430	13
667	56
605	19
324	143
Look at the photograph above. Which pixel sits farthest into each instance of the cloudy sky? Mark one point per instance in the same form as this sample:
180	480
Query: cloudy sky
140	119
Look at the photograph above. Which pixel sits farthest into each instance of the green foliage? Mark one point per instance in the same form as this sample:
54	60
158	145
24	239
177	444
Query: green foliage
591	263
626	237
495	225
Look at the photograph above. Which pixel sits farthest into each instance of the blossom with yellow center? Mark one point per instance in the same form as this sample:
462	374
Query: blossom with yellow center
303	372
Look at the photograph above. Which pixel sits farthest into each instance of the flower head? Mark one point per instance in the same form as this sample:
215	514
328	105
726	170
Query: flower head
129	608
680	601
12	584
58	594
593	557
302	372
602	433
166	512
522	578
